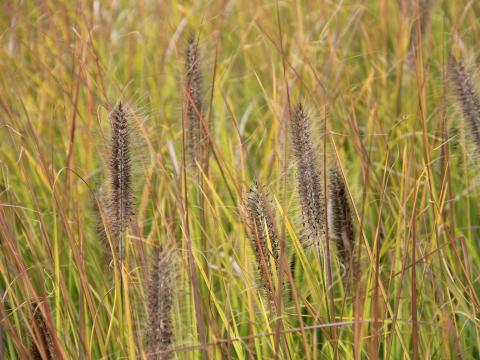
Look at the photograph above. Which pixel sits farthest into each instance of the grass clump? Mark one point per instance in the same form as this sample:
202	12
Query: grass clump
400	202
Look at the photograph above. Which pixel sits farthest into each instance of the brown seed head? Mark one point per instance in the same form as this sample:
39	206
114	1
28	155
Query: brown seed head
263	231
196	138
159	333
467	97
341	226
309	178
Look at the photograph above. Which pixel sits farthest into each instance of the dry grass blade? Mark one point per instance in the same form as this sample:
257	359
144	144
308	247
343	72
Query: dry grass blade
159	333
467	97
309	178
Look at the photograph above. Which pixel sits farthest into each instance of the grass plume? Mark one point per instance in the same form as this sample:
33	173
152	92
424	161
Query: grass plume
467	97
341	225
120	207
196	137
264	233
44	347
159	333
309	178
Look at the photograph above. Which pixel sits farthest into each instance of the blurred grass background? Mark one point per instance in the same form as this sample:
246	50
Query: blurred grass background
392	124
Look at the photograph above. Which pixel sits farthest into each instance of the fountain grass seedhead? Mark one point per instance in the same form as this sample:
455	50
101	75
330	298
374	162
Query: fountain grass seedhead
467	97
341	225
159	332
196	138
263	231
44	347
120	201
309	179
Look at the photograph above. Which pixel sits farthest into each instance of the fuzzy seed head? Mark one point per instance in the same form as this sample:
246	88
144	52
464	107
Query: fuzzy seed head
263	230
309	178
46	347
195	139
467	98
159	333
120	201
342	230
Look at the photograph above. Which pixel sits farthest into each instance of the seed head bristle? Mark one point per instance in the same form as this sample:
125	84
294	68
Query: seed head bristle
159	333
263	230
467	97
120	207
195	139
342	230
309	179
44	348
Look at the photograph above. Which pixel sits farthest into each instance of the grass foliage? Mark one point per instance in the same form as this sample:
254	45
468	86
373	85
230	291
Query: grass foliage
163	196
